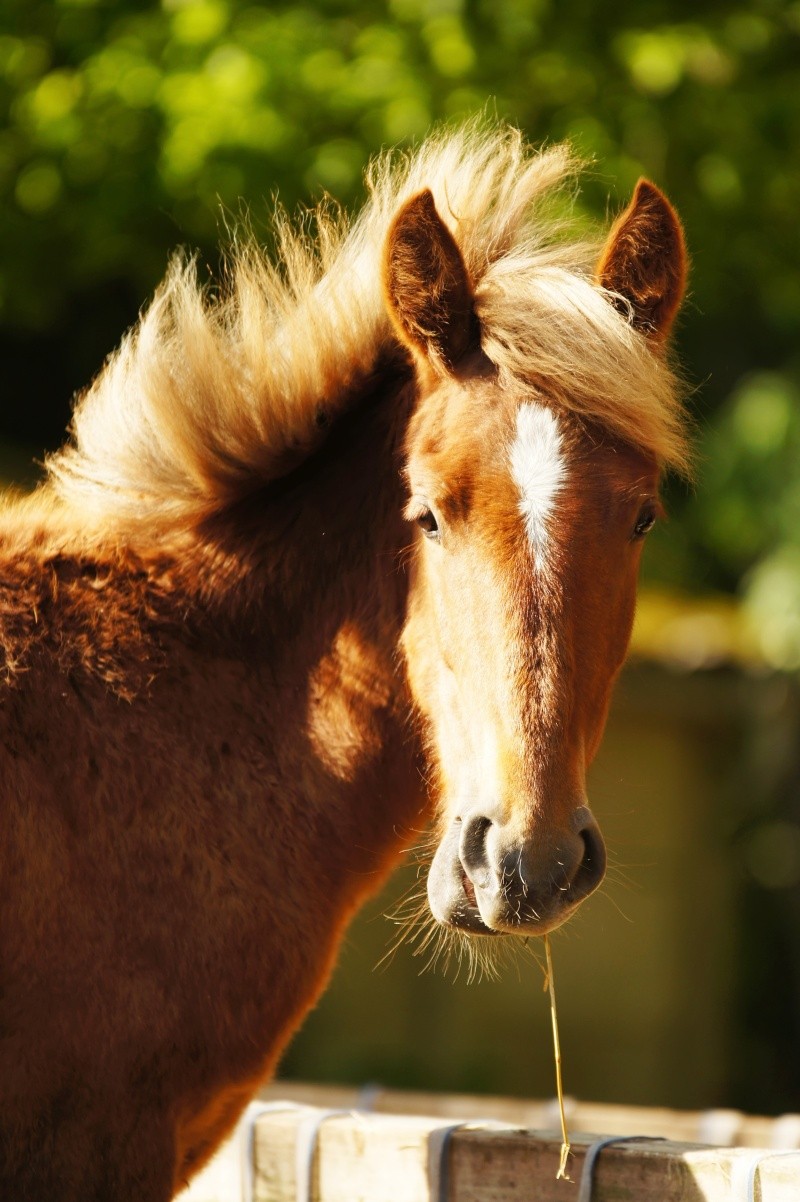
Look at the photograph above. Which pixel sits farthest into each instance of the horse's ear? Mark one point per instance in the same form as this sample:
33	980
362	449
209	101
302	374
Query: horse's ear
428	293
644	261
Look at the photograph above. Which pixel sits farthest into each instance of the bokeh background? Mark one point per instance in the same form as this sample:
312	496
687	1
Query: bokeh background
131	128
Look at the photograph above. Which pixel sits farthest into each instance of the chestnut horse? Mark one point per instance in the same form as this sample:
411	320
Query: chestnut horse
368	518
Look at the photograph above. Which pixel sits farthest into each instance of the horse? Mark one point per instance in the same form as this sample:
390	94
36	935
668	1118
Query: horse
343	545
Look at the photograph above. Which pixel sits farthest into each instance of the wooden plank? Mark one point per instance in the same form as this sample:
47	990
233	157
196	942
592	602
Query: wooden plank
386	1158
719	1127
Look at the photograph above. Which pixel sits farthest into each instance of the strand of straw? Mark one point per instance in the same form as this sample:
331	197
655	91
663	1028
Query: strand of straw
550	985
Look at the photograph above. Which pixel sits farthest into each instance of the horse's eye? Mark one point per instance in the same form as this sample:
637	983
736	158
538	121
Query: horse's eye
427	523
645	521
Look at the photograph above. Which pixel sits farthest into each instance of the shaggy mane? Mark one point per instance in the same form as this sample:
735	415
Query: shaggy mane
214	393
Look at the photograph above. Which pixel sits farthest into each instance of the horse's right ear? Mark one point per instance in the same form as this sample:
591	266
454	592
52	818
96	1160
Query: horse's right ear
428	293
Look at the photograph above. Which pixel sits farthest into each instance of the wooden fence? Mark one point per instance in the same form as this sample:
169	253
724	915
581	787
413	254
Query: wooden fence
320	1144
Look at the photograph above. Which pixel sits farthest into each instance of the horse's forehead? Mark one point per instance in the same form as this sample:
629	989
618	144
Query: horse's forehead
496	454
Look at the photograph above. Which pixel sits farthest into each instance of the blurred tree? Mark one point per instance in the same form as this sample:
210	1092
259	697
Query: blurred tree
129	130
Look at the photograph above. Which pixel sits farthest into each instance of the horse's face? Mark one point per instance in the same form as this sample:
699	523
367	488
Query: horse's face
519	618
530	529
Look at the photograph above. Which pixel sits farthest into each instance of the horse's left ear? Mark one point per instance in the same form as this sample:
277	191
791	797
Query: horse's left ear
645	262
428	293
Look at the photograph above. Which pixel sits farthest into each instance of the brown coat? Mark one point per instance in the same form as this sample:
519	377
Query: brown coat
205	765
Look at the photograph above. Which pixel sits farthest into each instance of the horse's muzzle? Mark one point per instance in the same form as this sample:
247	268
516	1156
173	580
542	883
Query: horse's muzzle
483	882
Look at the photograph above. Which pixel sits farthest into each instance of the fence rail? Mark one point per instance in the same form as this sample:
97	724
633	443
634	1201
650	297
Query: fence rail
305	1143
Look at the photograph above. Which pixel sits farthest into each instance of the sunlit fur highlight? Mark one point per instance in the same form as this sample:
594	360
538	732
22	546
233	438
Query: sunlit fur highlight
216	392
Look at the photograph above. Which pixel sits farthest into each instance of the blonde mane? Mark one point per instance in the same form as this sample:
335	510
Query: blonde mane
213	394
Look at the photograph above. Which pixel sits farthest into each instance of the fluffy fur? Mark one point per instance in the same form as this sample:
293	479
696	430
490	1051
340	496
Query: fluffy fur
215	393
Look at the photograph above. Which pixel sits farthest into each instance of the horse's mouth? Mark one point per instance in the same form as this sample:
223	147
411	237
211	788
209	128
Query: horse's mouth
468	917
469	890
463	913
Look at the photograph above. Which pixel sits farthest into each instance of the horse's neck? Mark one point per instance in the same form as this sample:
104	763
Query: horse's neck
309	579
321	548
327	604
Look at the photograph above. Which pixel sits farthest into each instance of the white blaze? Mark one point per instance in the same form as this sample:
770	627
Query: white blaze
537	466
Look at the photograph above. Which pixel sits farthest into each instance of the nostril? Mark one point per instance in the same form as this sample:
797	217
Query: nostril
592	867
472	843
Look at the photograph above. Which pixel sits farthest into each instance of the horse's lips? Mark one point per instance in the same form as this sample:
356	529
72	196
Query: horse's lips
451	894
467	917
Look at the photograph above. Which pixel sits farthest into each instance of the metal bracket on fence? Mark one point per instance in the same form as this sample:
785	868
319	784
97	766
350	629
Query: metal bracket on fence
439	1152
439	1161
306	1146
744	1170
753	1164
305	1138
593	1152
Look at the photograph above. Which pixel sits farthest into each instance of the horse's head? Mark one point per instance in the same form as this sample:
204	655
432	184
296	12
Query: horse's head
530	512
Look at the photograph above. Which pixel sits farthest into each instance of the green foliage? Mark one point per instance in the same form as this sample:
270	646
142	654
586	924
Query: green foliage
129	128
